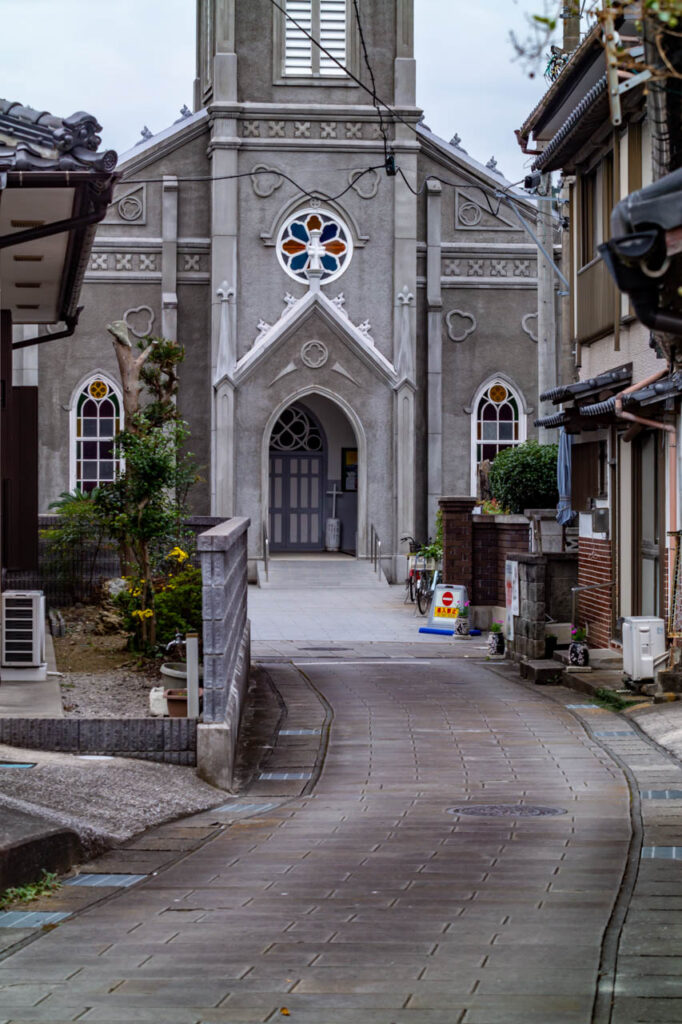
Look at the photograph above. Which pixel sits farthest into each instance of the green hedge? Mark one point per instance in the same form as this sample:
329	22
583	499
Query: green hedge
525	476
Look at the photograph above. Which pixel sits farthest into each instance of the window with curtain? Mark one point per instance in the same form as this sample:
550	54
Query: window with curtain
327	22
97	422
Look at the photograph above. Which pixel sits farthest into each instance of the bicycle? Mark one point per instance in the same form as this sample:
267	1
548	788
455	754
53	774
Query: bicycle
428	580
411	580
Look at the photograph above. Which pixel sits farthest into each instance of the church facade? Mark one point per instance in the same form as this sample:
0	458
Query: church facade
357	340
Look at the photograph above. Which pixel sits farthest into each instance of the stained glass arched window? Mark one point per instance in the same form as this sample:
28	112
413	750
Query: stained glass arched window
498	421
319	232
97	422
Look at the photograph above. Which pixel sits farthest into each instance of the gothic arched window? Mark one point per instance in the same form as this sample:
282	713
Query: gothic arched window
498	422
295	431
97	422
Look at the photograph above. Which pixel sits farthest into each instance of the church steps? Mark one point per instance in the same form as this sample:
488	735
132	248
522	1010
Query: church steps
319	573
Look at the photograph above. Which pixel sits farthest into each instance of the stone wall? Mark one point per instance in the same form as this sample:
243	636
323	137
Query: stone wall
545	583
223	554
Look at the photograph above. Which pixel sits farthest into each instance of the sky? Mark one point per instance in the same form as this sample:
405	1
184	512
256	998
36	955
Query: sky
131	63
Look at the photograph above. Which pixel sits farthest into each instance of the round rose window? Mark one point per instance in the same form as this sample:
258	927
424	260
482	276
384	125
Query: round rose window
311	235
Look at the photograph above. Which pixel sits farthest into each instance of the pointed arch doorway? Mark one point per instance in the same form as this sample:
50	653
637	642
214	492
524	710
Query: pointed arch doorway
315	471
298	455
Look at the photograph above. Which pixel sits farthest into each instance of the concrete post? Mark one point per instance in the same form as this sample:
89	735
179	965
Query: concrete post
547	348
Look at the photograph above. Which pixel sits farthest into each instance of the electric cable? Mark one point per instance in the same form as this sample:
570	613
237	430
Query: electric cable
311	194
387	156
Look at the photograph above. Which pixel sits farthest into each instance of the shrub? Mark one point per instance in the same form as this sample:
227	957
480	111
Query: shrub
525	476
176	595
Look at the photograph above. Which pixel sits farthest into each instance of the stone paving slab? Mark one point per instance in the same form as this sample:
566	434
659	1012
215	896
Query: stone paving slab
365	900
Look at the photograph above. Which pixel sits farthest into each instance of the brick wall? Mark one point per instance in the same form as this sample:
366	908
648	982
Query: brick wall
486	583
458	554
476	548
494	538
595	565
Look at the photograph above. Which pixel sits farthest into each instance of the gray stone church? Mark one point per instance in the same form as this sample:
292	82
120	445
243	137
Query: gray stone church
356	340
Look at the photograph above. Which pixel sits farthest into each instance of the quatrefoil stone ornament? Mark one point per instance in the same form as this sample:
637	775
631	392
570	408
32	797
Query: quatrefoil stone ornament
314	354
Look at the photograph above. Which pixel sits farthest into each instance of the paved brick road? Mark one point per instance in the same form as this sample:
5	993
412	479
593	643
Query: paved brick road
365	901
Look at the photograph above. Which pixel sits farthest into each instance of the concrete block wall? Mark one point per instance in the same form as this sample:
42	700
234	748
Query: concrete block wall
170	740
223	554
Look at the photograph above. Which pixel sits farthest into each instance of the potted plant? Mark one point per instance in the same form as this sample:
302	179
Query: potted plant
462	620
177	702
578	651
496	638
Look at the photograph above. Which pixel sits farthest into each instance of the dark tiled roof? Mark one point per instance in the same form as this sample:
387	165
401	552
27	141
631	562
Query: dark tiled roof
668	387
579	125
559	419
619	378
35	140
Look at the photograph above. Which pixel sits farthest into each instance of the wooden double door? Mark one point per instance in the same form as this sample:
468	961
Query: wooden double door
297	486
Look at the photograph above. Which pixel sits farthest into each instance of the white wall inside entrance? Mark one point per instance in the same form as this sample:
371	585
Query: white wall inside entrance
339	434
337	428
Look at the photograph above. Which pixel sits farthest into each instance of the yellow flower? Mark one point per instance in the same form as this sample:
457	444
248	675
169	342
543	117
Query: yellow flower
143	613
179	554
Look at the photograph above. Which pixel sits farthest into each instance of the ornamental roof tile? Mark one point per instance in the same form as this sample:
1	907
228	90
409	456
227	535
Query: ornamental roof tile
35	140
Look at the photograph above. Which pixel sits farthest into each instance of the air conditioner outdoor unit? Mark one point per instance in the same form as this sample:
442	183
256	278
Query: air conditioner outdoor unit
643	644
23	636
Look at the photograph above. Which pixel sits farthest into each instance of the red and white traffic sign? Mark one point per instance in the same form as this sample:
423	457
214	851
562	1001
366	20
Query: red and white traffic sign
447	598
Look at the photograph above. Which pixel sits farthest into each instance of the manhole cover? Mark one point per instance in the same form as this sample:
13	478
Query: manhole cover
507	810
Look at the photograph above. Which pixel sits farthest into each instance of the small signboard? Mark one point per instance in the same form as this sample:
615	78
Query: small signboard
511	592
446	606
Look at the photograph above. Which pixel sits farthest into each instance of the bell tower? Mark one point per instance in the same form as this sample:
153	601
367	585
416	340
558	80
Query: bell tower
216	63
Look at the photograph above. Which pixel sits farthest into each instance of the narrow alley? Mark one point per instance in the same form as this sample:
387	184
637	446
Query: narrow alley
431	841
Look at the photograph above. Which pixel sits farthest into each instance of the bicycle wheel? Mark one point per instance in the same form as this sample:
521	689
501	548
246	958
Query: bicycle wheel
411	586
424	592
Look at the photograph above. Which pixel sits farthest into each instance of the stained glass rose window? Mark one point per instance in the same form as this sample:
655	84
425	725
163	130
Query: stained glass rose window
313	233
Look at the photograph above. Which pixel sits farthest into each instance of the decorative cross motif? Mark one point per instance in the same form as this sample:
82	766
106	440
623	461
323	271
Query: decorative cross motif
498	268
191	262
327	129
334	494
251	129
452	268
522	268
405	297
99	261
276	129
353	130
124	261
475	268
301	129
315	251
147	261
376	132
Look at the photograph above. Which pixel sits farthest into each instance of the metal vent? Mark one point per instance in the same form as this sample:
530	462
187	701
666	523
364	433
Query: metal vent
23	628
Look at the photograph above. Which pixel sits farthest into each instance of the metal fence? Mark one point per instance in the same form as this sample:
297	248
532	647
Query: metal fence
76	575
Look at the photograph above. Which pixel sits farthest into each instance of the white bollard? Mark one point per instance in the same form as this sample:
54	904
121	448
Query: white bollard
192	658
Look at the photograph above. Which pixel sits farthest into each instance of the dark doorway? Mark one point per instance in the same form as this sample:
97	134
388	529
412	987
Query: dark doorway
297	482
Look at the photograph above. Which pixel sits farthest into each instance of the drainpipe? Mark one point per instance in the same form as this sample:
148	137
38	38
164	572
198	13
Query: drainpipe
671	430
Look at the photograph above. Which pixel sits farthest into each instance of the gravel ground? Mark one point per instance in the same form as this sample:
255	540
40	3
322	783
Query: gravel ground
116	693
